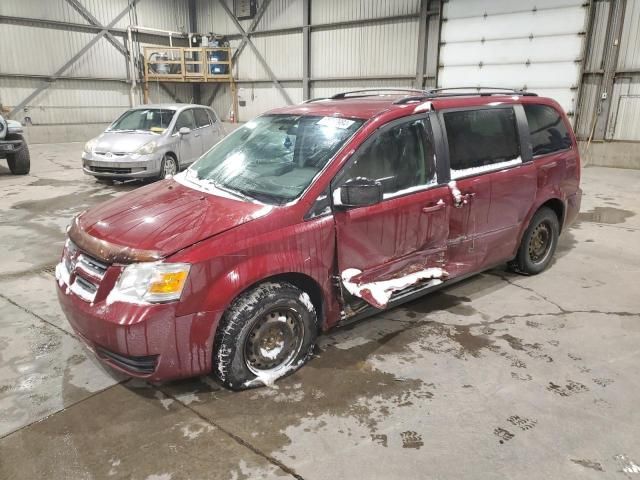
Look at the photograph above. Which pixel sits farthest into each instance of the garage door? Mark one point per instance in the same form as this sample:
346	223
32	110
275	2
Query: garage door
531	44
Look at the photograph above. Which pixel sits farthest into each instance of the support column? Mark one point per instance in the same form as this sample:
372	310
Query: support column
193	28
612	48
306	49
422	44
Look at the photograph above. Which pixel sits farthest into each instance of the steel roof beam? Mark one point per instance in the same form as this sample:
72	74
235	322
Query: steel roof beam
72	60
258	55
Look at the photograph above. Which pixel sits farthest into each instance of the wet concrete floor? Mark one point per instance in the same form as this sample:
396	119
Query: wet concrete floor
500	376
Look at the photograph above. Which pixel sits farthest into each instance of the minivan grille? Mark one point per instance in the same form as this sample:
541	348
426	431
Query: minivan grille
82	272
143	365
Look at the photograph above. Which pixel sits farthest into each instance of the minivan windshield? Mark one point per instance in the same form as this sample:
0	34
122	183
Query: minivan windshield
143	120
273	158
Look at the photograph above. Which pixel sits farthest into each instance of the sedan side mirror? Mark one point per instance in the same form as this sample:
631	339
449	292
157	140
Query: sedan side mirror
184	131
358	192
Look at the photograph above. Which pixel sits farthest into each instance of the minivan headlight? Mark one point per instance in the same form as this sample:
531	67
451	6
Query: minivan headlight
90	145
150	283
147	148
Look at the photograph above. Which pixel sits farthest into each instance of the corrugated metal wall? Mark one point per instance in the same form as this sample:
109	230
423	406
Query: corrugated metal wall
533	44
34	50
337	53
623	121
624	118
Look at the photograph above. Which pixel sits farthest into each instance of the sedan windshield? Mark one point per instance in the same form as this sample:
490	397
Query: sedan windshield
274	157
146	120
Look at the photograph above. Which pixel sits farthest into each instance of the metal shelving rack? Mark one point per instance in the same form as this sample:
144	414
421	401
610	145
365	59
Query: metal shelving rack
189	65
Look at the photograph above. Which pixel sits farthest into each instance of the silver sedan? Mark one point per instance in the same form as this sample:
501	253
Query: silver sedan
152	141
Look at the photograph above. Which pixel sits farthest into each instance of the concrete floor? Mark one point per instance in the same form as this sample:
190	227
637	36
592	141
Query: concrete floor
500	376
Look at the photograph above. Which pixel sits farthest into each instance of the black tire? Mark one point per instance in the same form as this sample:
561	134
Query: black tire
538	244
285	311
20	162
166	161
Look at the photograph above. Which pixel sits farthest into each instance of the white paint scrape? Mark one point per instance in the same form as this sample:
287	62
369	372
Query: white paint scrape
458	199
379	293
485	168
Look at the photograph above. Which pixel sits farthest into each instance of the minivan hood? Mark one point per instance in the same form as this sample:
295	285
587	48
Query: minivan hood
166	217
123	142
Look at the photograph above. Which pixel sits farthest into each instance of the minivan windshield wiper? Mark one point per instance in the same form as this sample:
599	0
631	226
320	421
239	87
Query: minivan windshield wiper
231	191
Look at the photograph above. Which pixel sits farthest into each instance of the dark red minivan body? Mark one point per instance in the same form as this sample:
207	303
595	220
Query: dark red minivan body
457	228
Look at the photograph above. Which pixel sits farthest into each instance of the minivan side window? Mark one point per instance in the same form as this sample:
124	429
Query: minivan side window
400	158
481	138
185	119
547	129
202	118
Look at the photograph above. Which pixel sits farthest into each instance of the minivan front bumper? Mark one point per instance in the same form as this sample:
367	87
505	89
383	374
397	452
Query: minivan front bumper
146	341
121	165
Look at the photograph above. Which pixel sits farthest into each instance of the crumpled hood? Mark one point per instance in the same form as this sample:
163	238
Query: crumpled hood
123	142
166	217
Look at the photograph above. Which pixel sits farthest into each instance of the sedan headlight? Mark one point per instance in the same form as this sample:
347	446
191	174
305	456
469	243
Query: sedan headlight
147	148
90	145
150	283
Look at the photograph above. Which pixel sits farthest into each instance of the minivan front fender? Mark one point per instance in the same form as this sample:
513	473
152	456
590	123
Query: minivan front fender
294	252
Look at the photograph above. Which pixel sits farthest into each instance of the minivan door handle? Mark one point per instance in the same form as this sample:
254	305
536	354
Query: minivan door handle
549	166
433	208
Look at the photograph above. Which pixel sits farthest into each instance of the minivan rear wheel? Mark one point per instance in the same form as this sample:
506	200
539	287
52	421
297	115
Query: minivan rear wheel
269	332
538	243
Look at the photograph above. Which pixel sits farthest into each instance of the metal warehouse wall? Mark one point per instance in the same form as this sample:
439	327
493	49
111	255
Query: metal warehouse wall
353	44
93	90
314	48
610	103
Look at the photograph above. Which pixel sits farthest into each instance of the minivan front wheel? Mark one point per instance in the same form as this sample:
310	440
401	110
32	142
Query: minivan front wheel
538	243
269	332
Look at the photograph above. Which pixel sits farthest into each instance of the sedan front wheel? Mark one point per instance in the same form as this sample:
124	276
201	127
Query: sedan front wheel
169	167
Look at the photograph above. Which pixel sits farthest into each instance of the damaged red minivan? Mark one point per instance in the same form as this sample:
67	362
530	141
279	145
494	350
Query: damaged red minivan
315	215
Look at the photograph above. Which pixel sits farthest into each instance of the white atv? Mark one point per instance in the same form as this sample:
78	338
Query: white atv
13	147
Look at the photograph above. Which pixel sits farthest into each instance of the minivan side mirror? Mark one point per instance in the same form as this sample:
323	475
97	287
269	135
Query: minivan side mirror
358	192
184	131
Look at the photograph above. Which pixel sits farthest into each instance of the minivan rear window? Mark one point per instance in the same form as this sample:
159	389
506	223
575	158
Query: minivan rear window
547	129
479	138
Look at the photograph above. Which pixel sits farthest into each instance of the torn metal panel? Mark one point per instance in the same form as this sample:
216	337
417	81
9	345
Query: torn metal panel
379	293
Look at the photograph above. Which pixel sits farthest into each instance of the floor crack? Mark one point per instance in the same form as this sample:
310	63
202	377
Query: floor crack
42	319
528	289
233	436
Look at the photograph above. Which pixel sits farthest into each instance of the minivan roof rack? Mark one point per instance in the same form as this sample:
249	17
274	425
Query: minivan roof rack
379	91
480	91
417	95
